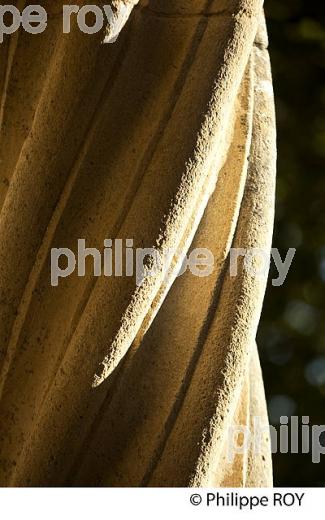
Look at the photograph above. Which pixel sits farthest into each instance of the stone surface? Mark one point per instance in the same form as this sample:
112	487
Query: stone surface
167	137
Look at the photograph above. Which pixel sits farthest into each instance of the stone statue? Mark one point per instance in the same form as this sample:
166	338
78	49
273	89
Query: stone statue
165	137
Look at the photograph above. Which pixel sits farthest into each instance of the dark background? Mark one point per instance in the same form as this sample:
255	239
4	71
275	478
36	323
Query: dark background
292	332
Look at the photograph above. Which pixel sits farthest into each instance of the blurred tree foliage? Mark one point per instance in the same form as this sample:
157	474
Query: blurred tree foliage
292	331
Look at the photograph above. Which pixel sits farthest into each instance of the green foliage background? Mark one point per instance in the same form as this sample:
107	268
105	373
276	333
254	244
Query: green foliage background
292	332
